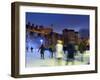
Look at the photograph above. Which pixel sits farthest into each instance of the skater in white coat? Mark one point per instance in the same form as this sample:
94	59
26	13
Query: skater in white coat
59	52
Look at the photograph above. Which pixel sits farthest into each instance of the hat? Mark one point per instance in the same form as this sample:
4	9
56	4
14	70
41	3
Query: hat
59	41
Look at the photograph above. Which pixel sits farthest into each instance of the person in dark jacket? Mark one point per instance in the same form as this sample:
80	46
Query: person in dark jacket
42	49
64	49
71	52
31	49
51	49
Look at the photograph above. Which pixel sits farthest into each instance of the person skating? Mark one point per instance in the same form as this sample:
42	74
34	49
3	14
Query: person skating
71	52
59	52
42	48
51	49
64	49
31	49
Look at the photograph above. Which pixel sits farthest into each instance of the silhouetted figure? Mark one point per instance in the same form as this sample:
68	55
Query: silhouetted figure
31	49
64	49
42	49
27	48
51	49
71	51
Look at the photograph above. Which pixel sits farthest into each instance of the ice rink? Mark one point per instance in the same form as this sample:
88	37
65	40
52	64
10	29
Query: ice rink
33	59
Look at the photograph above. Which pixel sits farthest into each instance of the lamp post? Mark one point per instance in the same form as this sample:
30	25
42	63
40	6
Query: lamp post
41	41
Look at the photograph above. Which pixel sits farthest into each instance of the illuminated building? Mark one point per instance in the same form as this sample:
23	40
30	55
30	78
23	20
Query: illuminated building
70	35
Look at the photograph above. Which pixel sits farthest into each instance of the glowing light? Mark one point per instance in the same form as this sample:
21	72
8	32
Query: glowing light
41	41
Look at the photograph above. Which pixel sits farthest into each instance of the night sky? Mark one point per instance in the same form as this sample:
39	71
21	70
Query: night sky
59	21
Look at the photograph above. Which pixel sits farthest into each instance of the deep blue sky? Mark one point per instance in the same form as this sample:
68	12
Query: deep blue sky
59	21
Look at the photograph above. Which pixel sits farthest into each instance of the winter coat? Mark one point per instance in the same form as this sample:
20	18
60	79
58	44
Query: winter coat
59	51
71	50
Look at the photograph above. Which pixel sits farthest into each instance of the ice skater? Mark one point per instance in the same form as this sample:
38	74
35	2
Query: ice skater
27	48
59	52
31	49
64	49
71	52
51	49
42	49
